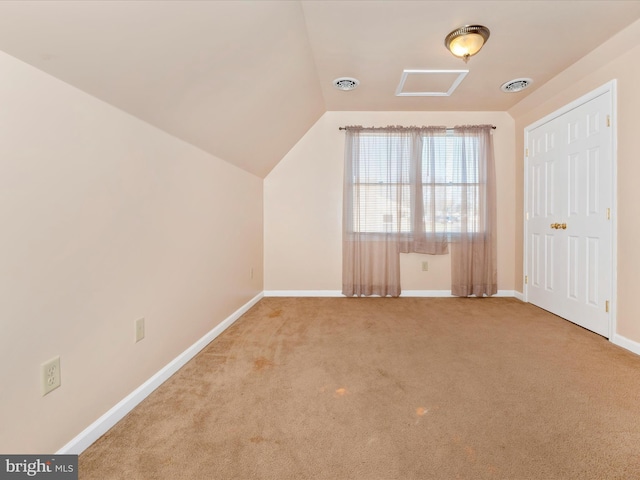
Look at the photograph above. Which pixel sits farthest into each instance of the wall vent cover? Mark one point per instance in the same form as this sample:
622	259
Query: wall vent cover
516	85
346	83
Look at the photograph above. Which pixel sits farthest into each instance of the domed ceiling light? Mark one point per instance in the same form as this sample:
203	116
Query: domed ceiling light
464	42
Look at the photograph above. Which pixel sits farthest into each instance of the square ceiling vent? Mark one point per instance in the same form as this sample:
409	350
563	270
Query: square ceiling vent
429	83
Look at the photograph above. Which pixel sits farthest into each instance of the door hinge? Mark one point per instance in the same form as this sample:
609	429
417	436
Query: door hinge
526	152
526	279
606	306
608	214
527	215
608	120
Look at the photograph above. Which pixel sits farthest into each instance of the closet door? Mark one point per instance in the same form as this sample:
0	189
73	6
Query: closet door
569	189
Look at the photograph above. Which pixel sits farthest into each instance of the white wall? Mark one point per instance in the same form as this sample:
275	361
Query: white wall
303	205
105	219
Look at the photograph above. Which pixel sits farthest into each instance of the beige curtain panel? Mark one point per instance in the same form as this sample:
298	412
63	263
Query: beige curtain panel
418	189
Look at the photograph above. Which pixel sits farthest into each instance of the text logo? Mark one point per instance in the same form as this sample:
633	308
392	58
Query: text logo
50	467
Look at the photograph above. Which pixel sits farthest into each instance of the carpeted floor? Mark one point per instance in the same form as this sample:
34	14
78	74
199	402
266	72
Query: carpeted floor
408	388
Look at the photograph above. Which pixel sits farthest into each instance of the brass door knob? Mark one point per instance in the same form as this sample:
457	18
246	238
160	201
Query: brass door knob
555	226
562	226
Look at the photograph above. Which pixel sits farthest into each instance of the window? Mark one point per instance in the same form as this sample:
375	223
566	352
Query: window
418	190
384	197
382	185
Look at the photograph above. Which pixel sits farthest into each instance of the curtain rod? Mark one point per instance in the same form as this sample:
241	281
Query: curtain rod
448	128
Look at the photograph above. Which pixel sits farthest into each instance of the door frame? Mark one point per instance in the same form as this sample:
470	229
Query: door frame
609	87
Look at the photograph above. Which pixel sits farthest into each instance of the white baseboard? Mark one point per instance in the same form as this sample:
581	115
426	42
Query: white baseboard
447	293
405	293
426	293
98	428
518	295
626	343
302	293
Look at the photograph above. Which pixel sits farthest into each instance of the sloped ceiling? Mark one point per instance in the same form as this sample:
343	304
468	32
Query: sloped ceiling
244	80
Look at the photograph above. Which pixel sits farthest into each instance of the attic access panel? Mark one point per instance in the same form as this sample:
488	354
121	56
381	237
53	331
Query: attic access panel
429	83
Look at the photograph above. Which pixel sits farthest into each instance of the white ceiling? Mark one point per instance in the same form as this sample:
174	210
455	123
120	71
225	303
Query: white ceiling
244	80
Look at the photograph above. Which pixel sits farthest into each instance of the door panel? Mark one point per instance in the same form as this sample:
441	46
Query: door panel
543	162
549	260
569	235
574	270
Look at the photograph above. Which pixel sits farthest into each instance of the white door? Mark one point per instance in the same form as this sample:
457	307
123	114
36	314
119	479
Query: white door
568	228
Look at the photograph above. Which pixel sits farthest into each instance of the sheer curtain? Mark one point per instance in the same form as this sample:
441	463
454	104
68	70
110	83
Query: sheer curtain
474	253
414	189
384	210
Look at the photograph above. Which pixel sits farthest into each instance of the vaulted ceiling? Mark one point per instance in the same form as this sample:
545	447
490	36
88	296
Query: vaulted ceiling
244	80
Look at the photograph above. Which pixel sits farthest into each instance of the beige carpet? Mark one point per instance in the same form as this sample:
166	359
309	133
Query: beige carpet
432	388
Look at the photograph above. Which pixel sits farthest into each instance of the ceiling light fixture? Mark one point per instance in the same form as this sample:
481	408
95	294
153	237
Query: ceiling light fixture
466	41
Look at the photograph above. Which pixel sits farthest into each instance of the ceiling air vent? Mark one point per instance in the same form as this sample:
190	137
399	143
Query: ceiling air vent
346	83
516	85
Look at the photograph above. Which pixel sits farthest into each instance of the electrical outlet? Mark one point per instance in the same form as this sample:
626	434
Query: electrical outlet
50	375
425	266
139	329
